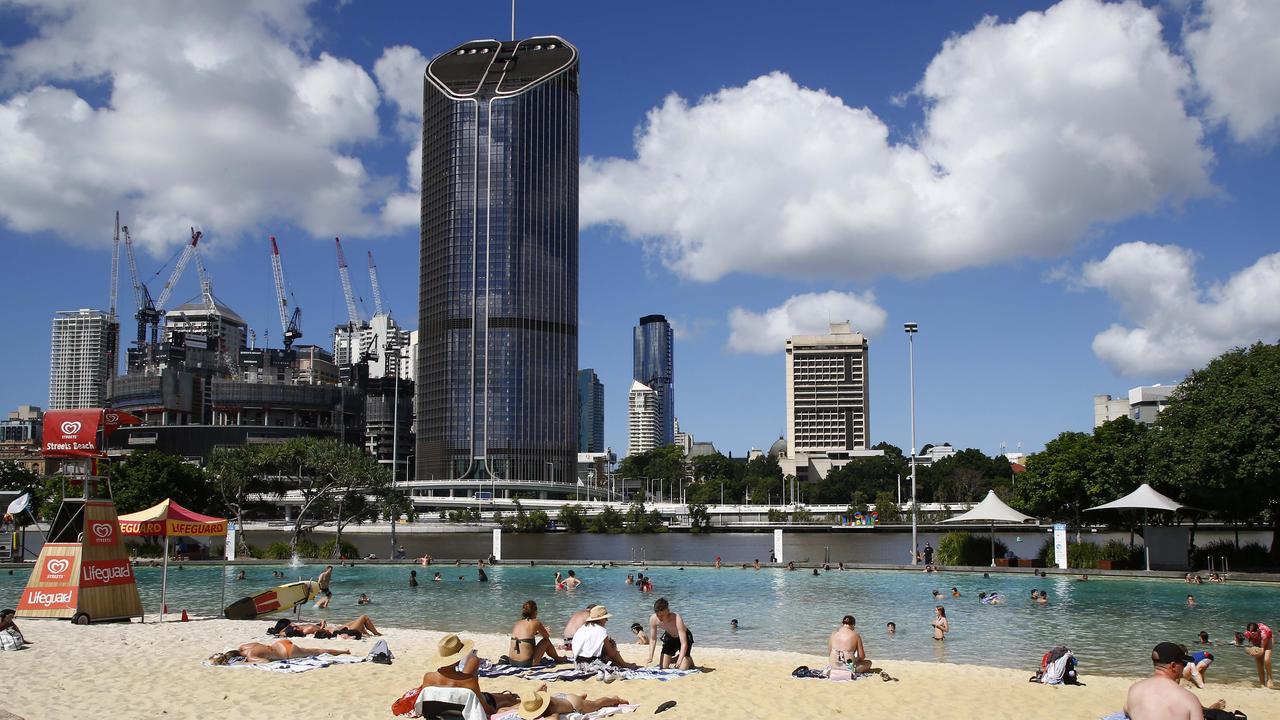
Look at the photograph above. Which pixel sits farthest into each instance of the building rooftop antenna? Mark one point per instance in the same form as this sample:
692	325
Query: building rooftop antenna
513	19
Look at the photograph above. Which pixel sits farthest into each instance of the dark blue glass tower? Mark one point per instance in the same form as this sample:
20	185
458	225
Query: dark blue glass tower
652	365
590	412
498	294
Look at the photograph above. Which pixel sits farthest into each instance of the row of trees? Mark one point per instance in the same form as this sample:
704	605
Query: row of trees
1216	447
337	482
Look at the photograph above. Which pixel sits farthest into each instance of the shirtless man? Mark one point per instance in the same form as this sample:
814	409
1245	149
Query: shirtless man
323	582
677	640
279	650
572	581
1159	697
845	649
575	621
452	652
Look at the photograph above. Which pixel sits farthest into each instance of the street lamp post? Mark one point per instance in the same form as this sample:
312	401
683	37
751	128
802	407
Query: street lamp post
911	329
395	460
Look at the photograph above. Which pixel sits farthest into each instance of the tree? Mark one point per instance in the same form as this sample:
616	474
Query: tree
1218	440
1058	479
887	507
237	475
16	477
608	521
699	518
571	518
141	480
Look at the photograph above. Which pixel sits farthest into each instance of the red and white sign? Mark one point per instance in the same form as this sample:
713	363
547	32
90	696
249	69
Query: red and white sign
39	598
56	569
71	433
101	533
99	573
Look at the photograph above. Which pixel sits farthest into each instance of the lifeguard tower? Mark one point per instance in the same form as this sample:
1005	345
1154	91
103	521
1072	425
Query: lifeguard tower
83	571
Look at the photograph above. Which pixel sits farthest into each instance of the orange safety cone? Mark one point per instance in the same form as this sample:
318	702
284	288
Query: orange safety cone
164	609
184	615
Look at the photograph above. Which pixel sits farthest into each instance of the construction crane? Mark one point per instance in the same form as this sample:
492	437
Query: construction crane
177	270
291	325
206	283
147	313
377	289
352	313
115	266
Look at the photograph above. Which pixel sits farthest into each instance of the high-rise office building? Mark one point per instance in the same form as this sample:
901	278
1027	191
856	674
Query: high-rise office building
653	367
498	294
83	356
590	412
828	409
642	418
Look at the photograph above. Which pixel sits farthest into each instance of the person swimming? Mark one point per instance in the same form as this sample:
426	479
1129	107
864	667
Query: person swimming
954	592
733	625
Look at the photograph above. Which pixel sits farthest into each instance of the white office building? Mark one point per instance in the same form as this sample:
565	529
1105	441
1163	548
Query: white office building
643	416
389	349
83	356
1142	405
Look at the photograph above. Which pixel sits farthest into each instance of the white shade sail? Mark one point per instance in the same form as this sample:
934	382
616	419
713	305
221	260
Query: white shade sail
991	509
1144	498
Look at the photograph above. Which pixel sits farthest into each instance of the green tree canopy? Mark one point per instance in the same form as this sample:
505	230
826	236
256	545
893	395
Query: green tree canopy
143	479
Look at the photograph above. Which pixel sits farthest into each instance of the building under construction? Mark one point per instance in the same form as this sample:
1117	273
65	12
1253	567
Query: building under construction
199	383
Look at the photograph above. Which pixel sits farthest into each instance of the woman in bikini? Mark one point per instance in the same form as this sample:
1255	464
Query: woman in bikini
940	624
543	704
526	649
278	650
362	625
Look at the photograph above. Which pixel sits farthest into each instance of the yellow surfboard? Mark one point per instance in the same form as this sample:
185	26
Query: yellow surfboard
281	597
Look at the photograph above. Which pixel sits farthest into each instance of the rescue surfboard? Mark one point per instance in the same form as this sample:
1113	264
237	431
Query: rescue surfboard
281	597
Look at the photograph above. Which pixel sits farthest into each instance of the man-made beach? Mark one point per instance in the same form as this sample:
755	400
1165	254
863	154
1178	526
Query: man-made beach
154	671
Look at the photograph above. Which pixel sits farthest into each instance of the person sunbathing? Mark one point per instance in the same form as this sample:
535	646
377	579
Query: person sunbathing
457	666
359	627
542	703
279	650
526	649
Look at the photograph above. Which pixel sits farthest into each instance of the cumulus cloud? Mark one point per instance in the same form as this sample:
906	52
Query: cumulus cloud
1035	132
1177	326
1232	44
179	113
809	314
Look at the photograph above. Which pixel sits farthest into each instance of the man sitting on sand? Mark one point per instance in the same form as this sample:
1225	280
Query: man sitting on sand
542	703
591	641
677	639
1159	697
845	649
575	621
457	666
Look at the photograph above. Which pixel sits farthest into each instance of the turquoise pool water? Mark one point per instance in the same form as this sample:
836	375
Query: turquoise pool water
1111	625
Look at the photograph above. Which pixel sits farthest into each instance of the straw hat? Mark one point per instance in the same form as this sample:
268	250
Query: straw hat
598	613
451	649
533	707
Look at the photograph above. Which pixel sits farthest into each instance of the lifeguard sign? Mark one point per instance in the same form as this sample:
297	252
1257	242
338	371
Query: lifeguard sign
83	573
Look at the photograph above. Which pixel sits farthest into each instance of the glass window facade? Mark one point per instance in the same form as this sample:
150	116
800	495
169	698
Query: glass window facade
498	294
653	365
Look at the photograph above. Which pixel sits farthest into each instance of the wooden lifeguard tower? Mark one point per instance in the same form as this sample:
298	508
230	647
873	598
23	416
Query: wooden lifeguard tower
83	571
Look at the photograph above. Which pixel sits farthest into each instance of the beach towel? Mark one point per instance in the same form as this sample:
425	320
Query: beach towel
501	669
1117	715
296	665
513	714
434	702
655	674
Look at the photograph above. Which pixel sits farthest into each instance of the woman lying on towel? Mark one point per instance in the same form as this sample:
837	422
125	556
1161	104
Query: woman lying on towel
543	704
355	629
278	650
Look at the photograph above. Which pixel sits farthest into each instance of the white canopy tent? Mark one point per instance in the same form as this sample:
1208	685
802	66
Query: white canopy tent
992	510
1144	498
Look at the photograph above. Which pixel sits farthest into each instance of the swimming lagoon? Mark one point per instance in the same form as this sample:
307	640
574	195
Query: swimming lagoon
1110	624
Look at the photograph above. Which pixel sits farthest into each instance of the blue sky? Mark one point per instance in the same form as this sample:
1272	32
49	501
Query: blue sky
1070	198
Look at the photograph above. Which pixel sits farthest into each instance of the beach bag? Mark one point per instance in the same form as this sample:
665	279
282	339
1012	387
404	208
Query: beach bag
404	704
10	639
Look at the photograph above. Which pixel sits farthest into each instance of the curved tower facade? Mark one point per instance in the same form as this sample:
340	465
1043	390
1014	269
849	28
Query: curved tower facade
498	294
652	365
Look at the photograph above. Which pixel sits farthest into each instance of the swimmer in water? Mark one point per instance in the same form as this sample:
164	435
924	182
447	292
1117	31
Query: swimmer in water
733	625
954	592
892	628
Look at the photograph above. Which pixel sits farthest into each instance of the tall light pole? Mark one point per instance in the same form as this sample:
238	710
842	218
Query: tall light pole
911	329
395	455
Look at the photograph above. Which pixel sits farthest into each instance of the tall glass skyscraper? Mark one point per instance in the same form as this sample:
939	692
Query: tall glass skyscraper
652	365
498	295
590	412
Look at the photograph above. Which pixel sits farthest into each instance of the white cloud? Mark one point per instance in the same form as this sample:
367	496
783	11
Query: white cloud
809	314
686	328
1177	326
1236	53
400	71
176	112
1034	133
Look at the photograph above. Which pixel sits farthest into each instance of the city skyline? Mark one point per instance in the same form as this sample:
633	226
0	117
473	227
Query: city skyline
1126	236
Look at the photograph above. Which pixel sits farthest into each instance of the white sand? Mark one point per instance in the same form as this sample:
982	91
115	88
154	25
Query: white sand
154	671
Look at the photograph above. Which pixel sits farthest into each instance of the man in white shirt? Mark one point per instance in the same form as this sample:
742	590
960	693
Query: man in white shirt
592	641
